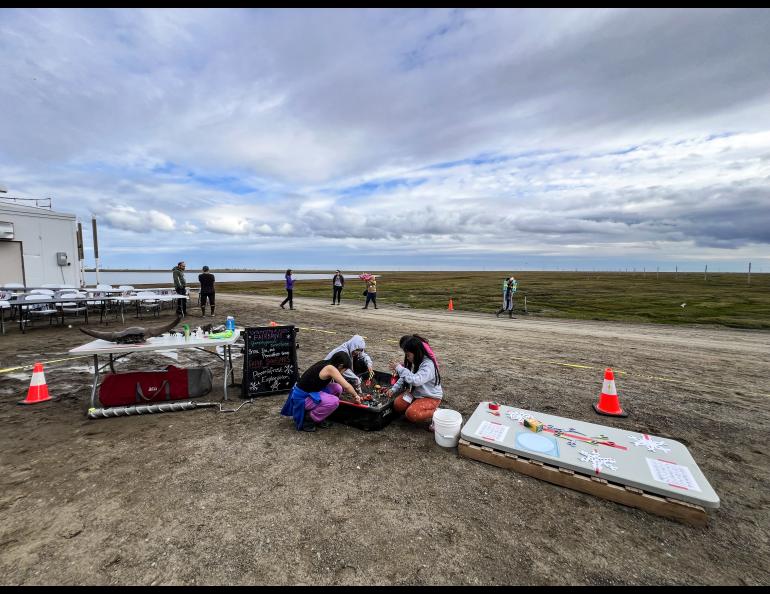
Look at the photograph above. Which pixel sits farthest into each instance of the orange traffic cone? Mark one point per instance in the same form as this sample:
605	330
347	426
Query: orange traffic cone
38	389
451	305
608	399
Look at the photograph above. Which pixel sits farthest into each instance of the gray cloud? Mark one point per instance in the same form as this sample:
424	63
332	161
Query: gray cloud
570	127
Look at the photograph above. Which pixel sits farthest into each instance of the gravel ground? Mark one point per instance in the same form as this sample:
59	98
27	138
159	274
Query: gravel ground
202	497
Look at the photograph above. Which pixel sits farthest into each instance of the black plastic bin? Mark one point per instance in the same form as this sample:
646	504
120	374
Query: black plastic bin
367	416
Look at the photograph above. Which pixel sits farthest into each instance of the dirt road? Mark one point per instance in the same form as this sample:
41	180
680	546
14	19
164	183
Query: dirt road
204	497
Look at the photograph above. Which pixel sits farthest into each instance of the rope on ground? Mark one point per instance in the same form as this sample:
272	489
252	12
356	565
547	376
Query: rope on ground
234	410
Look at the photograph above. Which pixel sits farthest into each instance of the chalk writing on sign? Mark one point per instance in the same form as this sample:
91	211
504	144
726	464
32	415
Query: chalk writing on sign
270	362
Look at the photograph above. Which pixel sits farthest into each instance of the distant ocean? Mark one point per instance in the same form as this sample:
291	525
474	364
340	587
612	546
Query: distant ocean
155	277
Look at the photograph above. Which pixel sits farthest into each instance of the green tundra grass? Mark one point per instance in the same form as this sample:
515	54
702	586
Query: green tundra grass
724	299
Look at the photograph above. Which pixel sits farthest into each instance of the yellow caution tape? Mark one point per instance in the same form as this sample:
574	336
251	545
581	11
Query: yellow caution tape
23	367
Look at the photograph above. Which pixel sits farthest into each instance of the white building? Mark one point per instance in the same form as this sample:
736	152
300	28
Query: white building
38	246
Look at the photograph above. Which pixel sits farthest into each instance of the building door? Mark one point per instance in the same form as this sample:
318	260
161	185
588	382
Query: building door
11	263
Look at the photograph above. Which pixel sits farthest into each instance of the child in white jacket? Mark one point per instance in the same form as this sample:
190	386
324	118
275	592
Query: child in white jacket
420	375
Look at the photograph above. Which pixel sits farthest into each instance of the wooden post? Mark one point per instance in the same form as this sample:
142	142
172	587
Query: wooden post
96	248
676	273
525	304
705	272
749	273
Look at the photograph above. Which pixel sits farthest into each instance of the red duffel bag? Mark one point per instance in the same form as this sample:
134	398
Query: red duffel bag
142	387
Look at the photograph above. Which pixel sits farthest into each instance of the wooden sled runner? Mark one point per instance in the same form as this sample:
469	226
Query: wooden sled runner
680	511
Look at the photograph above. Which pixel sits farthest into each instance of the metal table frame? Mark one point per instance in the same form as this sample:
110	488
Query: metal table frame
122	350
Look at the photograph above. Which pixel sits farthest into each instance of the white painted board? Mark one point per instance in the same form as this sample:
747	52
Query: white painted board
654	464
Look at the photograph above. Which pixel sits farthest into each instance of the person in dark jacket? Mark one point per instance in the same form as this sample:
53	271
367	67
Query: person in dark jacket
338	283
316	394
180	285
289	291
207	291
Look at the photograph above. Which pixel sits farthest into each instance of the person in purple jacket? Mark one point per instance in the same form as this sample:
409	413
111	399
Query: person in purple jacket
289	291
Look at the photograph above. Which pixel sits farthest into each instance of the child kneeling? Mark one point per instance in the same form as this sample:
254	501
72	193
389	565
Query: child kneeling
316	394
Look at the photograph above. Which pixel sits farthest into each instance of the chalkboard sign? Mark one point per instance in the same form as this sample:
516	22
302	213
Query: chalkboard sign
269	360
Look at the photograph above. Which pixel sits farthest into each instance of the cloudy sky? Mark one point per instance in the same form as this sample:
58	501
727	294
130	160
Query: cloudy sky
424	139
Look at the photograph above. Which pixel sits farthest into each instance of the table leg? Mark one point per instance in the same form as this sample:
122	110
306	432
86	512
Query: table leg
230	358
96	380
227	369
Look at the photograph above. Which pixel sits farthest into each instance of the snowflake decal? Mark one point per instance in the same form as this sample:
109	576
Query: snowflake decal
597	460
516	415
652	445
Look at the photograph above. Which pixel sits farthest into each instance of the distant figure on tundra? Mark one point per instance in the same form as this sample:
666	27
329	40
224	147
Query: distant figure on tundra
180	285
338	283
509	288
289	291
371	293
206	279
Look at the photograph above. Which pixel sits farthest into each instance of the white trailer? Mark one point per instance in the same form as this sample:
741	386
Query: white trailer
38	246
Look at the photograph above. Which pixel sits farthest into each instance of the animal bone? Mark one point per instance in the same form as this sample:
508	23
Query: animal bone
132	335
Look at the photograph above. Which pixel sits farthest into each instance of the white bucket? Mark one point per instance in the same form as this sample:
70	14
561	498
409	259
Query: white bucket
446	427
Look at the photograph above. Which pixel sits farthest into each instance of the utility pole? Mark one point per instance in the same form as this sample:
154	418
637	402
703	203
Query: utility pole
96	248
749	273
705	272
81	256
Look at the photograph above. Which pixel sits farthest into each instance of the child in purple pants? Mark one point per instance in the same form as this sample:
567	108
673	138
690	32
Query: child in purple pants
316	394
330	400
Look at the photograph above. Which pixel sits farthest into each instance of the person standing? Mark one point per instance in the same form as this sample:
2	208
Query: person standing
206	279
509	288
180	286
338	282
371	292
289	291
